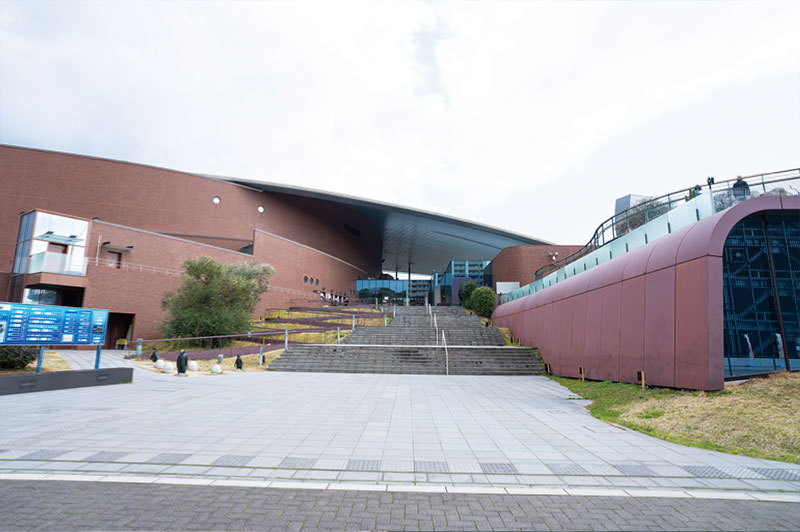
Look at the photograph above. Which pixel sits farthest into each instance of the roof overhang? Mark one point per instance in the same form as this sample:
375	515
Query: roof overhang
412	239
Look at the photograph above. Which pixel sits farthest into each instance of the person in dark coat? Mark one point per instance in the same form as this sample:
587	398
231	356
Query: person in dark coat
741	190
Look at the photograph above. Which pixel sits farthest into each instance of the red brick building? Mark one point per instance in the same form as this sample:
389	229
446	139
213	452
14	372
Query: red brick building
85	231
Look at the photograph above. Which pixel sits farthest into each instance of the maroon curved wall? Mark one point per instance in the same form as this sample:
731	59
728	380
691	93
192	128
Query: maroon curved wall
657	309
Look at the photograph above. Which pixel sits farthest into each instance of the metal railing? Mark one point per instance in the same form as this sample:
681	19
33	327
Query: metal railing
446	355
128	266
657	217
725	195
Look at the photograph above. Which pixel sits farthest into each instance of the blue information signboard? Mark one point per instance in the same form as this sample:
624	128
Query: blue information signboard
22	324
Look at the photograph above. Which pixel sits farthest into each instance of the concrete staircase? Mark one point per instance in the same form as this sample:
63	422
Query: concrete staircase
424	336
409	345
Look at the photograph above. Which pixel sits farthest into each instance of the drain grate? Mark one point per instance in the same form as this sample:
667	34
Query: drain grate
502	468
566	469
430	467
635	470
41	455
363	465
778	474
169	458
293	462
233	460
105	456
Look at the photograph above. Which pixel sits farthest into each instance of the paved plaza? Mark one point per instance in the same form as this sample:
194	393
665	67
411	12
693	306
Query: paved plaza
456	434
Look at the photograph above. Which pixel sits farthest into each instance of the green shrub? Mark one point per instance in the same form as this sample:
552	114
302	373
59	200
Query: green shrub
484	301
639	214
17	357
465	293
215	299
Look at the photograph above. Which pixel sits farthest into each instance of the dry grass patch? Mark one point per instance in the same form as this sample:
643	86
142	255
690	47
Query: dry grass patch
290	314
316	337
51	361
360	322
262	326
507	336
760	417
250	363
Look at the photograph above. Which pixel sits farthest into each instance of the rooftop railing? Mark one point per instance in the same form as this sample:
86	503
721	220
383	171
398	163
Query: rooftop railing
657	217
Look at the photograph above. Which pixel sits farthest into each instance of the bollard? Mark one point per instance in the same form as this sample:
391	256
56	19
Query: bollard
39	362
338	338
394	311
261	356
97	357
384	320
138	348
219	358
285	339
353	327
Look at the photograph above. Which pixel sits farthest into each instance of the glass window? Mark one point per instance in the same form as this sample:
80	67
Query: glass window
61	226
40	296
752	338
23	227
18	254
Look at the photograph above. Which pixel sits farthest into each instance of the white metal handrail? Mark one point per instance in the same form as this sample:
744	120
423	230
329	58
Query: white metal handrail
446	356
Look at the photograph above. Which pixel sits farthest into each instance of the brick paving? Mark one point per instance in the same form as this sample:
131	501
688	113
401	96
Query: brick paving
43	505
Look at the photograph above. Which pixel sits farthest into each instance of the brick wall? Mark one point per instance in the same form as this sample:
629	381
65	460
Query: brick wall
519	263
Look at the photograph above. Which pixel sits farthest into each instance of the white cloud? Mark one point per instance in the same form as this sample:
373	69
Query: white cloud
464	107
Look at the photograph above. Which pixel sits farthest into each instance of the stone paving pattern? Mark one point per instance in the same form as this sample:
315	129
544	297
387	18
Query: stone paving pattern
505	432
32	505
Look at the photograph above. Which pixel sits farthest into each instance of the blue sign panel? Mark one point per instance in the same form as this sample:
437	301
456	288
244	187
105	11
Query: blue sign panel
22	324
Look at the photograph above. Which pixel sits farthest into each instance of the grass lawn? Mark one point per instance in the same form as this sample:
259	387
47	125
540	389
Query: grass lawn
759	417
51	362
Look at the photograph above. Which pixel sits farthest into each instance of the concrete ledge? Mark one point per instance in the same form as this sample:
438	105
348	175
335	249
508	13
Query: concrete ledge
61	380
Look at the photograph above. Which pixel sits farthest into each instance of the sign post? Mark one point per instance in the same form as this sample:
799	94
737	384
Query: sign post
39	362
43	325
97	357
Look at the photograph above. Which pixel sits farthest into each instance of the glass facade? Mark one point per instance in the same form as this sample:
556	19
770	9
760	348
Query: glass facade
753	340
456	273
386	291
47	243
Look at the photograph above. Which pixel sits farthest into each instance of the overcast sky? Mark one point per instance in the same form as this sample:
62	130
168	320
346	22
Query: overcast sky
530	116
